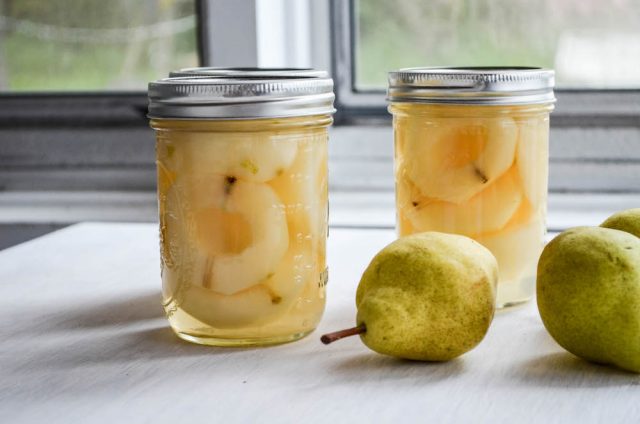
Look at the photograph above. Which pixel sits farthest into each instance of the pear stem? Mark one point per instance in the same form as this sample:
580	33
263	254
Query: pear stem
337	335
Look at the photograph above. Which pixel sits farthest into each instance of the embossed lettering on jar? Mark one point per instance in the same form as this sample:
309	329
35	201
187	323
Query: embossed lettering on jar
242	191
471	158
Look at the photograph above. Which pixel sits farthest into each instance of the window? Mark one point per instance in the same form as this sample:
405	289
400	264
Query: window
590	44
73	78
74	140
93	45
73	100
593	46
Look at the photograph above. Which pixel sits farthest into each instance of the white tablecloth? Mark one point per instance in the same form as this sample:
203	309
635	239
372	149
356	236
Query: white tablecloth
83	339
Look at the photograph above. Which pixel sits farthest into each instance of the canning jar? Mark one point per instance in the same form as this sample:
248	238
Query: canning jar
471	158
242	195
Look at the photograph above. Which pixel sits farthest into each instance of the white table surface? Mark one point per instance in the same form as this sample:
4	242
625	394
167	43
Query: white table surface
83	339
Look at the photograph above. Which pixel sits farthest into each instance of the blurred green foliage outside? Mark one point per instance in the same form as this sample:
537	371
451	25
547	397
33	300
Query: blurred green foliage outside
92	44
590	43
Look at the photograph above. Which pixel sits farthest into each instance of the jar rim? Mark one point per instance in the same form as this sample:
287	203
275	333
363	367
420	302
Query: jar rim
214	71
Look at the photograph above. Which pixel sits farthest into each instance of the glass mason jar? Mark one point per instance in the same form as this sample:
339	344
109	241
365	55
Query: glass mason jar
242	194
471	158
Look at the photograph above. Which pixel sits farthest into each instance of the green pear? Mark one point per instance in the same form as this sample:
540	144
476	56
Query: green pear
588	289
428	296
628	221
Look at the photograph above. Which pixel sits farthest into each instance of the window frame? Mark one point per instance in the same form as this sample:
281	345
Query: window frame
574	107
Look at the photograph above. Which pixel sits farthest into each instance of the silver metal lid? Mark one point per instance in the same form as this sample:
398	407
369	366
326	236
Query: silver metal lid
474	85
248	72
240	97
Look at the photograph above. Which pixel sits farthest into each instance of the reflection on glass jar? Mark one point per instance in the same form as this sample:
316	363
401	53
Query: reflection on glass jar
476	167
243	226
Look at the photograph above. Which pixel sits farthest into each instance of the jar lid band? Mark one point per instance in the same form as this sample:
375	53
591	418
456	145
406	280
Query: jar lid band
474	85
241	96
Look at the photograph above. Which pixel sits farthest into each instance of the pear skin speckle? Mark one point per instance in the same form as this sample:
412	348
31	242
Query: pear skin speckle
588	290
428	296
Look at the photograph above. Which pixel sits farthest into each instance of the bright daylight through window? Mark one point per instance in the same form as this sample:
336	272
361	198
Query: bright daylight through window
590	43
93	45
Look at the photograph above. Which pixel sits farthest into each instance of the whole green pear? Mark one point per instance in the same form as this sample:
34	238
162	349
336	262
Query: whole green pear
428	296
588	290
628	221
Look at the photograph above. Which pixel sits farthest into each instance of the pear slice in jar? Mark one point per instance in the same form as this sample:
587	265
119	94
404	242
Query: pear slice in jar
488	211
532	158
168	153
322	179
302	188
165	181
255	305
254	157
241	226
311	301
407	196
188	276
517	247
405	227
453	159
